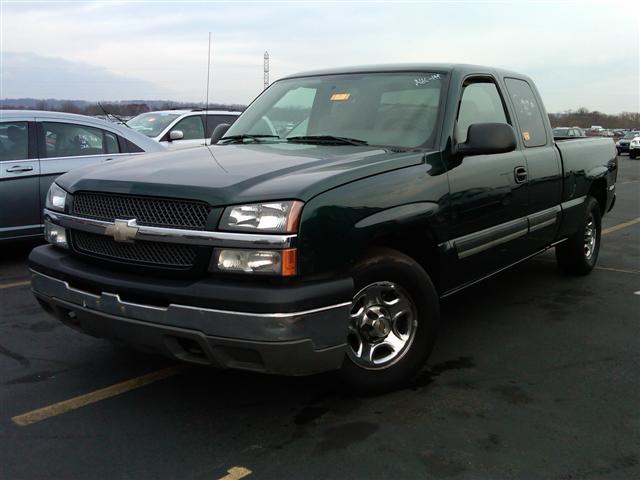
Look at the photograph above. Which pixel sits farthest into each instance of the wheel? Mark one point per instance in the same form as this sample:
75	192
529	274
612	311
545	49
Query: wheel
579	253
619	151
393	322
632	155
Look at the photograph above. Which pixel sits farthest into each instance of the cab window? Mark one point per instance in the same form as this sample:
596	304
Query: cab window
528	113
14	141
480	103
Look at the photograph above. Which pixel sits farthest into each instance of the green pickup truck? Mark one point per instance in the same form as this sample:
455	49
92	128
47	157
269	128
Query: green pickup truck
320	230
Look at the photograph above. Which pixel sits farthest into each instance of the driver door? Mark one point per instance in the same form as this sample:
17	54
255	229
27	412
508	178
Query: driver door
488	201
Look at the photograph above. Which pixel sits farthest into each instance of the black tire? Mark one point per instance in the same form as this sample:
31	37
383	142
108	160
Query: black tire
572	255
632	156
619	151
387	266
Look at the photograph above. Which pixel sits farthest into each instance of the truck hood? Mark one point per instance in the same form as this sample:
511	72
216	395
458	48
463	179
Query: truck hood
230	174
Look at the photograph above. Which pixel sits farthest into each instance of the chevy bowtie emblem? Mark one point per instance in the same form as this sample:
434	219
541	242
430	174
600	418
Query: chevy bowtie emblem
122	230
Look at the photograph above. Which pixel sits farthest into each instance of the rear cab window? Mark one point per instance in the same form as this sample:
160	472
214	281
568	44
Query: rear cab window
528	112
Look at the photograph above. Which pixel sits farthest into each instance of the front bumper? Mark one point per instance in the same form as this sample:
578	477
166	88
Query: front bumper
301	330
623	148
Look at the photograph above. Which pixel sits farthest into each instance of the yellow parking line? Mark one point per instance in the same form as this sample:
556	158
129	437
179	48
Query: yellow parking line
80	401
620	226
15	284
235	473
619	270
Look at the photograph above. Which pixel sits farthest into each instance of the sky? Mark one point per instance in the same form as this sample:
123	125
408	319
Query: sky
580	54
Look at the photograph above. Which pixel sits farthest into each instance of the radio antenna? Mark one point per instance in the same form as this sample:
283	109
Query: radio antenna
206	107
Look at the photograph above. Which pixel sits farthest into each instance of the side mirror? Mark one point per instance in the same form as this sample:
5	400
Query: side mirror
219	132
488	138
176	135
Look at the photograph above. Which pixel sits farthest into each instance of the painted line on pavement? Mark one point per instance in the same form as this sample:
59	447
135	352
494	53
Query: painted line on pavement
15	284
80	401
618	270
235	473
620	226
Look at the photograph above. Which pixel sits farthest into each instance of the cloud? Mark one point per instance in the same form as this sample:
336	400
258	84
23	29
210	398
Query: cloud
578	54
31	75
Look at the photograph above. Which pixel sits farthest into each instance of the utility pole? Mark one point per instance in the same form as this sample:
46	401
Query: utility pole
266	70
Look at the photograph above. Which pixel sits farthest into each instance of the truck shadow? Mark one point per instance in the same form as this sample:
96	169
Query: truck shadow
469	313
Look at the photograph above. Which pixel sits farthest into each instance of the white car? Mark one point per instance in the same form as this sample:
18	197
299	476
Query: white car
37	146
634	147
177	129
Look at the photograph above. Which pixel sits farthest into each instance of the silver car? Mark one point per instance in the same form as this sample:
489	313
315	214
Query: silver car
37	146
177	129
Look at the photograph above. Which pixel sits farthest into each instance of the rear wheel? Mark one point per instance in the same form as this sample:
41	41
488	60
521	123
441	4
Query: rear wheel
393	322
579	253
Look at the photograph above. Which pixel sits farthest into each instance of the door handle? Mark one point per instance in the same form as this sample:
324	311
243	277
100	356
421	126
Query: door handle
19	168
520	174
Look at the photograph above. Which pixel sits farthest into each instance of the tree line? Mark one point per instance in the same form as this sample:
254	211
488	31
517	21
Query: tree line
584	118
121	109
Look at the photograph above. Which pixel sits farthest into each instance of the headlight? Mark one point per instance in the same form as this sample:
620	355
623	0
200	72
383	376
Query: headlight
56	198
55	234
268	217
270	262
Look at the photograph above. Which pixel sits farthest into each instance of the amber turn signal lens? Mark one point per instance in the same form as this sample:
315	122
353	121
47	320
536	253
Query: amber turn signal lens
289	260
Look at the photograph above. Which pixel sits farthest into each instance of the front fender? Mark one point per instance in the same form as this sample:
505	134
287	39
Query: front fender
339	225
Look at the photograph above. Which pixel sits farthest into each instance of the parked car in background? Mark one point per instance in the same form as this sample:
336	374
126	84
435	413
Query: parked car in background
622	145
37	146
177	129
563	132
634	147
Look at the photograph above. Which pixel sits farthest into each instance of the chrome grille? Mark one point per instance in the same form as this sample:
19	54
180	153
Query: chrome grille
160	212
150	253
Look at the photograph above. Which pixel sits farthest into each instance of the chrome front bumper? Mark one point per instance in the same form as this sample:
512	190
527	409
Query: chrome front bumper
294	343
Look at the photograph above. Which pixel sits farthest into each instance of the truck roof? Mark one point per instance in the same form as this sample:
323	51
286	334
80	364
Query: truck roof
461	68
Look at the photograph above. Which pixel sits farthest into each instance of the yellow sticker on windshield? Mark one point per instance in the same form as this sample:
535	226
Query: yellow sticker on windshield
340	97
526	136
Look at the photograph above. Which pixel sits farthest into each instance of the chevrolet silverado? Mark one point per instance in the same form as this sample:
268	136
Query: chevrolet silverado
320	230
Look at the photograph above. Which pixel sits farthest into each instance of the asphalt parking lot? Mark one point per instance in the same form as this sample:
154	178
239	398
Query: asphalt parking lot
535	375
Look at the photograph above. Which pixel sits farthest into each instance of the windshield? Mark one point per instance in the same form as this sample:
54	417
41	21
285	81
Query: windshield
152	124
390	109
561	132
631	136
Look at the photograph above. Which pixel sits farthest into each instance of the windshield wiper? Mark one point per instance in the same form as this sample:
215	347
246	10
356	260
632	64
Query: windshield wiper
245	136
328	139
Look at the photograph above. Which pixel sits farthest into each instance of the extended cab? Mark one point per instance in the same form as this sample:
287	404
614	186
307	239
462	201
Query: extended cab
326	244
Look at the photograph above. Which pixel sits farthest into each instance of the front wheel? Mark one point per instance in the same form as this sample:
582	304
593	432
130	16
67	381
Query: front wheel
393	322
579	253
632	155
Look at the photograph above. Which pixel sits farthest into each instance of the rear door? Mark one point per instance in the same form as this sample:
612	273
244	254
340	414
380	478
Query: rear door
488	200
19	180
544	165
